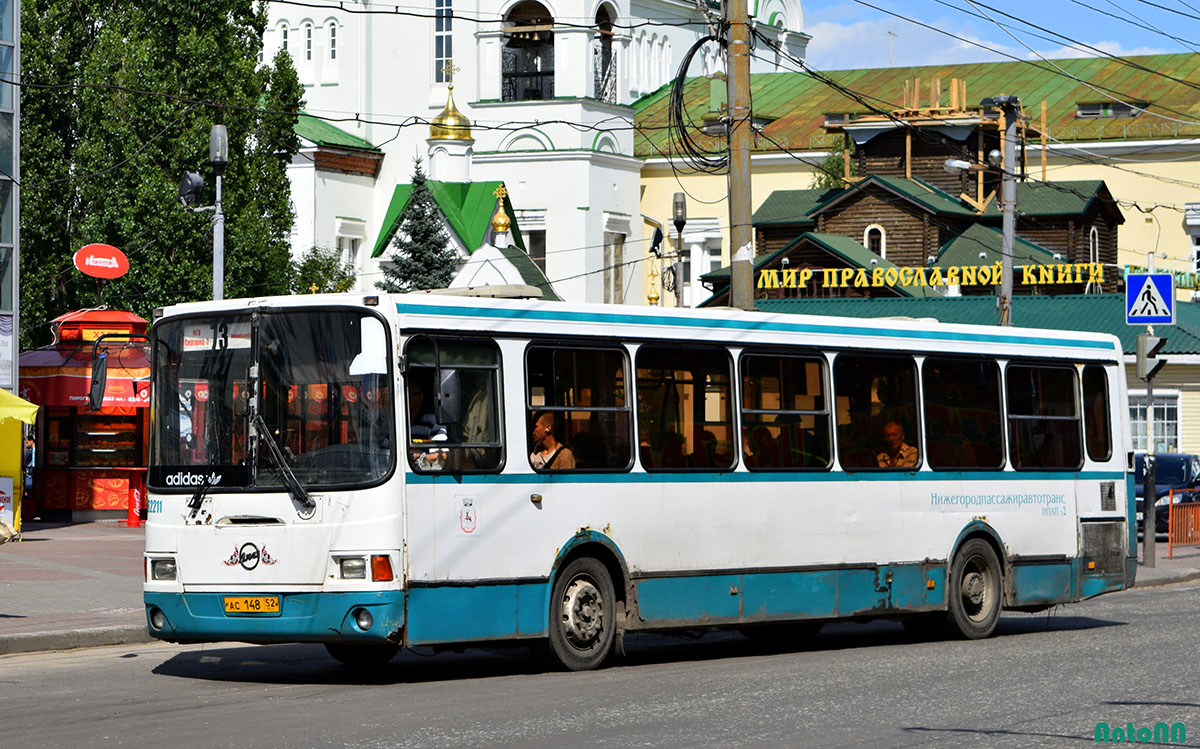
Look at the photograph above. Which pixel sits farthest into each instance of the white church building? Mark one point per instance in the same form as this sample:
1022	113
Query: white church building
547	88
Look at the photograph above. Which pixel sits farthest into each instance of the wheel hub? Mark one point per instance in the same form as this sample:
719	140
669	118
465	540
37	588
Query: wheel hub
582	613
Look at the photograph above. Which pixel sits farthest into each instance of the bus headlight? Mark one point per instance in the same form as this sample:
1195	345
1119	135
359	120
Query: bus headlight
162	569
353	568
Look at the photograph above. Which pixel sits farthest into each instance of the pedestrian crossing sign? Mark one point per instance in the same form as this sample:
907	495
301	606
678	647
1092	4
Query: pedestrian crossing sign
1150	299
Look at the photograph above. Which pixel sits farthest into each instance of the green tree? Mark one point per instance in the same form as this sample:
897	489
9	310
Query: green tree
323	268
117	101
423	257
829	174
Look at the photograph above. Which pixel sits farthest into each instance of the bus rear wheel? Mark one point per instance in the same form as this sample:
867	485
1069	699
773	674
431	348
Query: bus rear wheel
582	615
974	591
363	655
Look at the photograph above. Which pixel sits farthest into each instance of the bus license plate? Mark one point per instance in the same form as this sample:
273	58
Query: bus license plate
252	604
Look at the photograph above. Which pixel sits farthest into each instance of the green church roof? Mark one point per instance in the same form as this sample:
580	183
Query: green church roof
467	206
322	133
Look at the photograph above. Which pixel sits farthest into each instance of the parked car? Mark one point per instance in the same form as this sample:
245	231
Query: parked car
1174	471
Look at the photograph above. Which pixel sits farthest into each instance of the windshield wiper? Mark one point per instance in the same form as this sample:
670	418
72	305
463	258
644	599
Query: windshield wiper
293	484
198	498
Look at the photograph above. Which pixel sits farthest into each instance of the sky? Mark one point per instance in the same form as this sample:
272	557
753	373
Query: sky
849	34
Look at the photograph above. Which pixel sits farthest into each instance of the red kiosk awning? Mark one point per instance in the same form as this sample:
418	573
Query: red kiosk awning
61	374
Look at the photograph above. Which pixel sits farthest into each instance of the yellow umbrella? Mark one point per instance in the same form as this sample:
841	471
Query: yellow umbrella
15	407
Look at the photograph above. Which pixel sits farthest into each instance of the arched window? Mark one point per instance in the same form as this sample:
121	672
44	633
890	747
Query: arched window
308	42
603	60
1094	245
527	68
875	240
333	40
283	38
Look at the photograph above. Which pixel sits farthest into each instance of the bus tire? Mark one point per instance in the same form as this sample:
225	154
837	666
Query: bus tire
974	593
583	615
363	655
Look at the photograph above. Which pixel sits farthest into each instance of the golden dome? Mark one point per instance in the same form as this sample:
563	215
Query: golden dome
450	124
501	222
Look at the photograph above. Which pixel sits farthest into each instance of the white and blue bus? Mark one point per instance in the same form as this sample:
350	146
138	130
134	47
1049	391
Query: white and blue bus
358	471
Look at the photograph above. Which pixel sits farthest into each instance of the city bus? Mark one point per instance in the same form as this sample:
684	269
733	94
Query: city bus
359	471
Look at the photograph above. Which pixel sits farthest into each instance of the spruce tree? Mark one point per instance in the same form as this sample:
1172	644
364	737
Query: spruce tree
117	102
423	257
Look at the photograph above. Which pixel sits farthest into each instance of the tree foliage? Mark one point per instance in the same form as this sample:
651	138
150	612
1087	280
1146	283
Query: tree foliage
829	175
118	100
423	257
322	268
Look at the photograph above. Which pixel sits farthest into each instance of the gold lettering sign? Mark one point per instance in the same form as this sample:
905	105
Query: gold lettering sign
960	275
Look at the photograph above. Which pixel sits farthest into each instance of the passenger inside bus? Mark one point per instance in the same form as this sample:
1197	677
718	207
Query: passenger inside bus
897	453
425	428
548	453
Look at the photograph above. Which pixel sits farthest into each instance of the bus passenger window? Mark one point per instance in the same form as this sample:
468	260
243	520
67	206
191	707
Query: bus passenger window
1043	417
684	412
1096	422
453	409
578	415
785	414
963	422
876	411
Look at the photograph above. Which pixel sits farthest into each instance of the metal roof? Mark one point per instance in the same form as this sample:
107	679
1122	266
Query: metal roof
322	133
798	102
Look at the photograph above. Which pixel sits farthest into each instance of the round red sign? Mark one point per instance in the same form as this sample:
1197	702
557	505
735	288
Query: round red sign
101	261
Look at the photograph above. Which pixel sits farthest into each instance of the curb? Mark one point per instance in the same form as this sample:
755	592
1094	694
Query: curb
72	639
1186	577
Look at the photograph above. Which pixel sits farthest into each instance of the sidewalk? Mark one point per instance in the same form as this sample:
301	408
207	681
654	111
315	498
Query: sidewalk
74	586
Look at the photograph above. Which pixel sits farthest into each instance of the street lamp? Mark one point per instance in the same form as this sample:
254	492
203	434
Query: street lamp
680	205
189	194
1011	106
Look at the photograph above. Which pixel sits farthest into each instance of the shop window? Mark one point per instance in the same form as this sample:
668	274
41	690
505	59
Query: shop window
1166	421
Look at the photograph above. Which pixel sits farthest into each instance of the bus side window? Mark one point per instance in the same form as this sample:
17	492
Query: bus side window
583	392
876	404
785	413
453	412
1043	417
963	416
1096	422
685	413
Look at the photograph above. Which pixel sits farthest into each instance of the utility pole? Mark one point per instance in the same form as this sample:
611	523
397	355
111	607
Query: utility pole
741	233
218	157
1011	106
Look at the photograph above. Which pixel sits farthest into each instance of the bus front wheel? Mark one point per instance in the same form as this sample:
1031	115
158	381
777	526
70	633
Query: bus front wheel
582	615
974	591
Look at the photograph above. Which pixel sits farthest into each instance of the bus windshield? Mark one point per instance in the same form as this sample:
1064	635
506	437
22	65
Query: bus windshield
323	391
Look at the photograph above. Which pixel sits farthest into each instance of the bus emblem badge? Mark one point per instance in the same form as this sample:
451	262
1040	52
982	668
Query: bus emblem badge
248	557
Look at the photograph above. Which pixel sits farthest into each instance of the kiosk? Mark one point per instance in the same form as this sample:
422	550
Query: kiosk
91	464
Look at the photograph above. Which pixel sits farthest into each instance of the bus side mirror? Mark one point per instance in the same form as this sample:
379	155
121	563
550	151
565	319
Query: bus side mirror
449	398
99	381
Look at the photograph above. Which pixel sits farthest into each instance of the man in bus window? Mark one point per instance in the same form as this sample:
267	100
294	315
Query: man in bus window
425	429
899	454
548	453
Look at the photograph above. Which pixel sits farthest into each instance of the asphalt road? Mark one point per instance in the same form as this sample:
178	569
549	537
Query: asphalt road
1045	680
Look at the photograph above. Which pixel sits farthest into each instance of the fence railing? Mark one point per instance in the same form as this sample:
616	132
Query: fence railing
1183	521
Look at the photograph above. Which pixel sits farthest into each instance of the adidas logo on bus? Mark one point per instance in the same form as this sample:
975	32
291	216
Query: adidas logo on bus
192	479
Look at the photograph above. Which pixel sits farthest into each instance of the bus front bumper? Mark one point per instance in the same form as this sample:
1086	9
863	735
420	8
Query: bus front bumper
301	617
